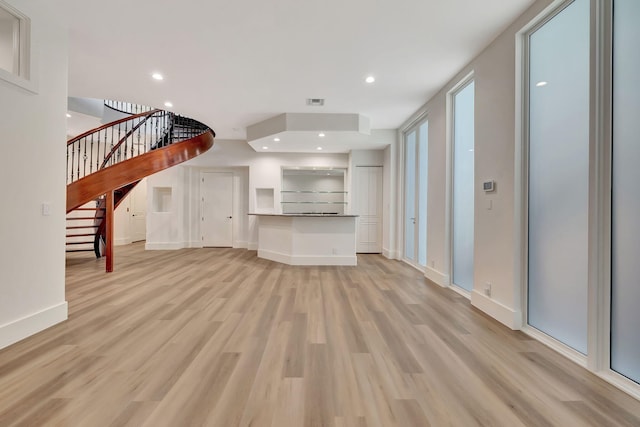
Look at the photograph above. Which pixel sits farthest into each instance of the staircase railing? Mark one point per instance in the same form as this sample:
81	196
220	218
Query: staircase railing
127	107
107	162
126	138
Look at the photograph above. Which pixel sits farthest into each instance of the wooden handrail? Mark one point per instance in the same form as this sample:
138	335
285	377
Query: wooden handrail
120	174
111	124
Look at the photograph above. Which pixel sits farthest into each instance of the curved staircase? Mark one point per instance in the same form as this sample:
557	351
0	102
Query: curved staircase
106	163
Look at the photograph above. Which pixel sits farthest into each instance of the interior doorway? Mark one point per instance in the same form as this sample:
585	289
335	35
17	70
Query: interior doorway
138	217
217	209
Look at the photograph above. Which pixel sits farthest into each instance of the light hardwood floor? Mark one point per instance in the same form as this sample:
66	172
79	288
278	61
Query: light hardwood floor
219	337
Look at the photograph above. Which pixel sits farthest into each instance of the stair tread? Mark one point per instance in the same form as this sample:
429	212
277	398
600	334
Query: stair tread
79	250
74	227
81	243
81	235
84	217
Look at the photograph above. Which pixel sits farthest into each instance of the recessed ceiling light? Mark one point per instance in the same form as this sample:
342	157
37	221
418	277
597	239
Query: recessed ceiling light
321	134
276	139
319	148
68	115
540	84
157	76
370	79
168	104
265	148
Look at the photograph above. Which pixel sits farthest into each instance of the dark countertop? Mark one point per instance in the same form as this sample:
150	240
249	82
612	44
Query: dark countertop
303	215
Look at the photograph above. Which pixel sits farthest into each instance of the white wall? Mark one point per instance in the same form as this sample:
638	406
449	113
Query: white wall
32	132
252	170
264	171
494	71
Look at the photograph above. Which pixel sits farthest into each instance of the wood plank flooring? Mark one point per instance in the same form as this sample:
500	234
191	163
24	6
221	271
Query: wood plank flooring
218	337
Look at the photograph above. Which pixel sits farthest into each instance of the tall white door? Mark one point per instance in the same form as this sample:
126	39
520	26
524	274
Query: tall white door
416	163
368	197
138	218
217	209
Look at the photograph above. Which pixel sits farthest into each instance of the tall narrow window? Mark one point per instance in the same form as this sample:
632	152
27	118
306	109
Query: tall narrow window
415	208
625	231
559	176
410	196
463	186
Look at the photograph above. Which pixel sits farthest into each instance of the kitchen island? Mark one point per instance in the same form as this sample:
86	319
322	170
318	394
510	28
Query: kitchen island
307	239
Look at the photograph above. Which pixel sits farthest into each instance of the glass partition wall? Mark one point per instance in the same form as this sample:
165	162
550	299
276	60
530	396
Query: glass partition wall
625	226
581	97
559	175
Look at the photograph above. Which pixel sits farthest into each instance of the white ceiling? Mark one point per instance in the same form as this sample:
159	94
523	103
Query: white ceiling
231	64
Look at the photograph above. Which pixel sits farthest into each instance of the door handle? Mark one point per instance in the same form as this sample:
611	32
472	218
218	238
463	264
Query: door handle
229	217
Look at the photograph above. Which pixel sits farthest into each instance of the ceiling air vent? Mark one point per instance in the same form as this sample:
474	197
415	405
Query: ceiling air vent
315	102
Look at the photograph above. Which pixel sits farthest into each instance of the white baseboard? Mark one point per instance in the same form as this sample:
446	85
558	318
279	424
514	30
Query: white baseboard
241	244
436	277
556	345
389	254
503	314
20	329
252	246
194	244
306	259
168	246
121	242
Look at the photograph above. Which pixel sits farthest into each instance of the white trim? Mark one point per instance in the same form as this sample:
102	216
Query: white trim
241	244
389	254
252	246
457	289
568	352
122	241
195	244
164	246
520	210
307	259
437	277
503	314
623	383
20	329
600	290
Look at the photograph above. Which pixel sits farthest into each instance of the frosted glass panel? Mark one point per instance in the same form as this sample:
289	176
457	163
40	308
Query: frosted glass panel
463	183
559	176
423	162
409	196
625	268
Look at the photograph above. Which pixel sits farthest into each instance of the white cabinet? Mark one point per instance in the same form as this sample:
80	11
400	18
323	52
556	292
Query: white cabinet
367	198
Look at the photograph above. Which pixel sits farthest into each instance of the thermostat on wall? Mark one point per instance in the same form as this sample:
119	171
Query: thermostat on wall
489	186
